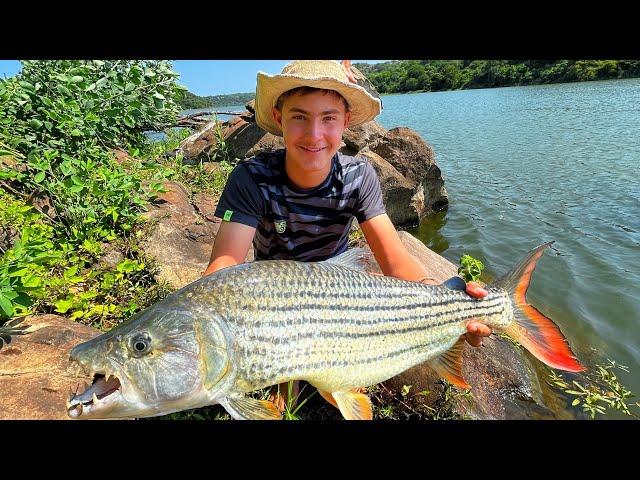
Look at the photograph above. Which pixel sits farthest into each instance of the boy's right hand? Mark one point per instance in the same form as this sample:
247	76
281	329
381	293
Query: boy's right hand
346	66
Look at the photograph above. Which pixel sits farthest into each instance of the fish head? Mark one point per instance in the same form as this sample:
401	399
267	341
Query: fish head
152	365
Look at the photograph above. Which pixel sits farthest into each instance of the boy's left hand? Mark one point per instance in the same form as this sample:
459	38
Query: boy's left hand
346	66
476	330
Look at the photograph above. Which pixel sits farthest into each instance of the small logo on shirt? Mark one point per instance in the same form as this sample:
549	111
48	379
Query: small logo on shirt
281	225
227	215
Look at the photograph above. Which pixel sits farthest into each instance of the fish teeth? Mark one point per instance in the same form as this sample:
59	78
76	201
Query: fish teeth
94	398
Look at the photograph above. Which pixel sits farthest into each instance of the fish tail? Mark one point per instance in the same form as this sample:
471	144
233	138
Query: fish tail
534	331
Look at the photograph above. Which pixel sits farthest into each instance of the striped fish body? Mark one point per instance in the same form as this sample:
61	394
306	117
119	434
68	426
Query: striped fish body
330	323
333	326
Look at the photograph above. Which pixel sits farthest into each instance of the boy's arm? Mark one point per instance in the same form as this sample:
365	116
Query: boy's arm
241	207
396	261
230	246
390	253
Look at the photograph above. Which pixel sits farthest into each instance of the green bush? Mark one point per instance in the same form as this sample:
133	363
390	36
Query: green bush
63	117
27	260
60	104
59	121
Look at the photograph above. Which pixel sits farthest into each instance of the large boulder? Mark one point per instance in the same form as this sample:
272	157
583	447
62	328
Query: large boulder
36	377
200	144
414	158
398	192
244	138
182	239
357	138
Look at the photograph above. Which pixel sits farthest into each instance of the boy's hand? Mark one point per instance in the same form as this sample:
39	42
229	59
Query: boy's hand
476	330
475	290
346	66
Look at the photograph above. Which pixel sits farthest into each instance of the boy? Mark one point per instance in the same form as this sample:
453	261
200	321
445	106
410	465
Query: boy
298	203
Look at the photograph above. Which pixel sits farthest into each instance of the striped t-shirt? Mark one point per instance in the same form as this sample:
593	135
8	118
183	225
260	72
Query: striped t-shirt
294	224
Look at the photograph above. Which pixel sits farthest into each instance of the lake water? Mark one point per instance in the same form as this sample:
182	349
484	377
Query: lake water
526	165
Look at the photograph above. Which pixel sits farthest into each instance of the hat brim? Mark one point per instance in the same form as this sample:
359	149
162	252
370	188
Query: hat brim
363	106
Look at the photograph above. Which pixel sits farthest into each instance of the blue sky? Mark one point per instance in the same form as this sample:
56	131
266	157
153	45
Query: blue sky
206	77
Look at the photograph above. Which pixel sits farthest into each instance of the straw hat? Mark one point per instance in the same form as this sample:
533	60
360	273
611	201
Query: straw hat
327	74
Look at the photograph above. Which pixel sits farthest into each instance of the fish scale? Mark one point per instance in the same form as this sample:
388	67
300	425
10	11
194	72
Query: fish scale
334	326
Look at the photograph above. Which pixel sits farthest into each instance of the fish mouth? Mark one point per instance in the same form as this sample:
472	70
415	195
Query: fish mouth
105	391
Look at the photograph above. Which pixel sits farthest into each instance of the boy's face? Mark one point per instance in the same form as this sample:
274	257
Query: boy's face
312	126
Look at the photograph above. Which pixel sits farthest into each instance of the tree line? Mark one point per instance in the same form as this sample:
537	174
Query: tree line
438	75
191	100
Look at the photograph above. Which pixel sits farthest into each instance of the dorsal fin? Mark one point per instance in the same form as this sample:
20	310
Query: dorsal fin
354	258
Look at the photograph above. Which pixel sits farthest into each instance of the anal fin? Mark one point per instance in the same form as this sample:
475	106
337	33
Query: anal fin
353	406
328	397
449	365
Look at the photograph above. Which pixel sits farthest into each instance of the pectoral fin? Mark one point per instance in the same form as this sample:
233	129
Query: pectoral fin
352	405
449	364
245	408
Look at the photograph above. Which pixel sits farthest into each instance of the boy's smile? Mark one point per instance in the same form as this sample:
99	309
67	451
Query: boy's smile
312	126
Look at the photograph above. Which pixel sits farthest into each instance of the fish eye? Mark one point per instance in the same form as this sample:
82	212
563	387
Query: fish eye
141	344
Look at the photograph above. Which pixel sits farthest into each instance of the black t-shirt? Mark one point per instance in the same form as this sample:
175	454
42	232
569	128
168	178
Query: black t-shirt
295	224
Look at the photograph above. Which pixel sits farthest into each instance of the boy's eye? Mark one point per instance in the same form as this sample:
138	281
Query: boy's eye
298	117
330	119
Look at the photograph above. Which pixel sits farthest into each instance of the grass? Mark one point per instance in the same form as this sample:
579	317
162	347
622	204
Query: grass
598	391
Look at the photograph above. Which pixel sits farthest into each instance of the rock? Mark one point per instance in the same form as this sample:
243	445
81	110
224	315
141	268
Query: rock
182	240
364	82
122	156
206	206
43	204
357	138
244	138
8	236
414	158
503	378
9	162
36	376
397	191
199	144
111	256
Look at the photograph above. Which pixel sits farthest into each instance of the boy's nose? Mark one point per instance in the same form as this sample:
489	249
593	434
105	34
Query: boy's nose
314	129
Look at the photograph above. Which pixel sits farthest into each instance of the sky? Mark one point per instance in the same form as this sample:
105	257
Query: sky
206	77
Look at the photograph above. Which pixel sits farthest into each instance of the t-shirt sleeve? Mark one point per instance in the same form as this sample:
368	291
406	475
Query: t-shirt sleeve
370	203
241	200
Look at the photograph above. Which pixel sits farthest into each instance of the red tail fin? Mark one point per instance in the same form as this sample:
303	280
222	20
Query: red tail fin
532	329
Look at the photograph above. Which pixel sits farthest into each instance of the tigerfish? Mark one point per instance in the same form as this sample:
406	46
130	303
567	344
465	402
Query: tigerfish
329	323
